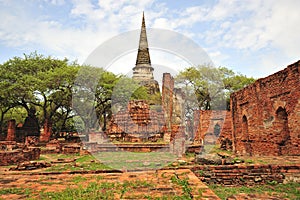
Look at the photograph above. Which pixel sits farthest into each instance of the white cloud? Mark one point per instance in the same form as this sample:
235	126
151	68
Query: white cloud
55	2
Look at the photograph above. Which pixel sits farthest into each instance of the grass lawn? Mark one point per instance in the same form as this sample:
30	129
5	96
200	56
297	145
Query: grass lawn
131	160
110	160
290	190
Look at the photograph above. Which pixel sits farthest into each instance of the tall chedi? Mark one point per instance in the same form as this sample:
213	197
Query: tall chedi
143	71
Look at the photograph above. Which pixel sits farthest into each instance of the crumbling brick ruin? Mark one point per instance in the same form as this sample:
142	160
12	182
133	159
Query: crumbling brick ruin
12	152
172	103
139	123
213	126
167	103
266	115
136	124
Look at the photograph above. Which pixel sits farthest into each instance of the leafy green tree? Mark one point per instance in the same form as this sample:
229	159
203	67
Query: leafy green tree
233	82
38	81
204	84
92	96
211	87
104	90
125	90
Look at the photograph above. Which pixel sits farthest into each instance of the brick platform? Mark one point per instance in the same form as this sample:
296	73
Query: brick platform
247	175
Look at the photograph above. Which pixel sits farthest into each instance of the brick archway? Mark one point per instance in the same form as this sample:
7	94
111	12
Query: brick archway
217	130
245	134
282	127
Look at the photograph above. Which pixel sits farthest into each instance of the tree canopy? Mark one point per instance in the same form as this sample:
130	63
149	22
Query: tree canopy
37	81
211	87
69	95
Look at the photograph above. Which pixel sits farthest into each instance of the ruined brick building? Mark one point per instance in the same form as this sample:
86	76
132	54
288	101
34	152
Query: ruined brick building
139	122
211	126
264	118
266	115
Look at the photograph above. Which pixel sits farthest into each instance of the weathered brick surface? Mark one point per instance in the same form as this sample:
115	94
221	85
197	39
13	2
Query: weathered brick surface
19	155
47	131
216	124
266	119
97	137
71	148
137	123
53	146
172	103
167	103
246	175
11	130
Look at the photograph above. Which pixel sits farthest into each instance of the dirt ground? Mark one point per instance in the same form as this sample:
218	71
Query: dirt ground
159	184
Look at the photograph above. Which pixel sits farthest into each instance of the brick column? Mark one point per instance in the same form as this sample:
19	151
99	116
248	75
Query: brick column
11	130
46	134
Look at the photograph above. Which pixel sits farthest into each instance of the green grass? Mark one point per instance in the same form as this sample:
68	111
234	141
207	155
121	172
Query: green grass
79	166
160	141
290	190
132	160
210	148
185	187
97	190
19	191
92	191
110	191
11	191
111	160
79	179
190	155
86	162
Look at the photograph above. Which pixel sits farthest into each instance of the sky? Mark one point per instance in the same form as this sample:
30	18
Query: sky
252	37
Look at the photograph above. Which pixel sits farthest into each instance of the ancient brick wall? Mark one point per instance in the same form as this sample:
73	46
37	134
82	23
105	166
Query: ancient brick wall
11	130
247	175
138	121
19	155
212	125
167	103
47	131
265	114
173	106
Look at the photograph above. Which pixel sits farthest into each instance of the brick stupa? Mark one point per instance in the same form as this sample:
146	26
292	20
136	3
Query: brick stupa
143	71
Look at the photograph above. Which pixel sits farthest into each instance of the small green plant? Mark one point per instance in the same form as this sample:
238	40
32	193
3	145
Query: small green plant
249	161
185	187
200	172
190	155
273	182
237	160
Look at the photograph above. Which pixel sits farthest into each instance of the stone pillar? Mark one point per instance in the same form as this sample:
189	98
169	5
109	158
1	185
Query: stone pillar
11	130
46	134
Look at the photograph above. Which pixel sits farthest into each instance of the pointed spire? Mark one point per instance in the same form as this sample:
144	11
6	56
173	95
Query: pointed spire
143	56
143	71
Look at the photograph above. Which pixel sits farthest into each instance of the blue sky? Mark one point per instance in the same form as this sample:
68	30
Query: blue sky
254	37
